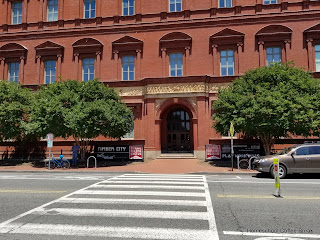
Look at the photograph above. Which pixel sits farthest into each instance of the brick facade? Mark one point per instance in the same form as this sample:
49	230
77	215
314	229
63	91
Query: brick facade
200	31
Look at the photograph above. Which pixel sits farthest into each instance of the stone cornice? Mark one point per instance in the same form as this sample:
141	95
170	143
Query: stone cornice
233	20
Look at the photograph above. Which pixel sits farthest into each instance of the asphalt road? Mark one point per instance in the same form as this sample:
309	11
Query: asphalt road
151	206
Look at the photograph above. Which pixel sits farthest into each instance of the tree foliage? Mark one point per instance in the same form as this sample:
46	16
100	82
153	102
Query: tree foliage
14	110
269	103
82	110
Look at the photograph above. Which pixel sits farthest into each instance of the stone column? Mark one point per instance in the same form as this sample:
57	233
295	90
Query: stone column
116	60
138	68
76	60
261	54
2	63
21	72
38	61
58	73
215	60
310	55
163	56
287	47
240	49
186	68
98	64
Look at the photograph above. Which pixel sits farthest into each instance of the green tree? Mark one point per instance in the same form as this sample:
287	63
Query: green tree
269	103
14	110
82	110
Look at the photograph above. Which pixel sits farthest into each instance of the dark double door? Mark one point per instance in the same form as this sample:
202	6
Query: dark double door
178	131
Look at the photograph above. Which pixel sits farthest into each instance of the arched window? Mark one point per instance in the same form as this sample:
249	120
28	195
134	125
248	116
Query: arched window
129	51
312	39
87	56
49	57
273	43
176	47
227	46
12	61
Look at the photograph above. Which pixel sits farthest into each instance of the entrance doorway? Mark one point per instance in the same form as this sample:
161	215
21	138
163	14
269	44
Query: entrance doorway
178	126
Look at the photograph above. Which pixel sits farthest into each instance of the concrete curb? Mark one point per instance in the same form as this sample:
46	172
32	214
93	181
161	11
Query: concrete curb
126	172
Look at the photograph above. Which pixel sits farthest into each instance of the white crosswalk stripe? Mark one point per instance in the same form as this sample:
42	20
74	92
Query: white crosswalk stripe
160	206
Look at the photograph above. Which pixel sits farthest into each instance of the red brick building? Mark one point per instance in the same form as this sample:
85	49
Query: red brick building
166	58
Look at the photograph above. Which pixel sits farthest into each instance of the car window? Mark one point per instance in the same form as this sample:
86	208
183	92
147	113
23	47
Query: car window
302	151
315	150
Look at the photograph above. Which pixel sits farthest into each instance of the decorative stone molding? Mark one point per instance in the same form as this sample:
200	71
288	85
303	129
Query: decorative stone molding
158	102
130	91
176	88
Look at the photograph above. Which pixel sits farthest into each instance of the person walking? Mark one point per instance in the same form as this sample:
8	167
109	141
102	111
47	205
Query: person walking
75	150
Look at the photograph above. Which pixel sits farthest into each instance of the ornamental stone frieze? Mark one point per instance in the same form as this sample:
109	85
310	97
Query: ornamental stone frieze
173	88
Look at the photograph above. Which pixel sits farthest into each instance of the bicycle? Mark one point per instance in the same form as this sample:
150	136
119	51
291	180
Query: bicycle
246	163
58	163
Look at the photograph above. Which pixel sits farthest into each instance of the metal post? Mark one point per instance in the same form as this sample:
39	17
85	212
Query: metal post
49	158
232	153
238	158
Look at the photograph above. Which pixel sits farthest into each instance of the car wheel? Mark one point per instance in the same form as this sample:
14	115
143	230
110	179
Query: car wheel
282	172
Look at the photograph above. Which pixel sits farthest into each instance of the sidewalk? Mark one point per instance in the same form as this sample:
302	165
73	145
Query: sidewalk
169	166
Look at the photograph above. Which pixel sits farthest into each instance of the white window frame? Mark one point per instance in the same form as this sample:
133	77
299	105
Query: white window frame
52	15
13	67
225	3
90	9
91	70
273	54
175	65
129	135
317	60
16	12
125	66
227	51
50	71
267	2
175	3
132	7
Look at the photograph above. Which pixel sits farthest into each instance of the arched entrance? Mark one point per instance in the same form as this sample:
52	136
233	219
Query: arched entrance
176	131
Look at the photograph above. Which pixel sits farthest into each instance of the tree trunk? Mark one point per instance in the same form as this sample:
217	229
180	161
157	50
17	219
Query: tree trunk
267	143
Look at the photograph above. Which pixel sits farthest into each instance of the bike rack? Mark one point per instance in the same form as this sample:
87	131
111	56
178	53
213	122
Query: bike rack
95	161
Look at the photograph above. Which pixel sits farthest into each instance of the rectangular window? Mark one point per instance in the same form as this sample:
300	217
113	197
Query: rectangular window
317	52
130	134
127	7
225	3
13	72
49	71
175	5
128	68
87	69
16	13
89	9
227	63
269	1
176	64
52	10
273	55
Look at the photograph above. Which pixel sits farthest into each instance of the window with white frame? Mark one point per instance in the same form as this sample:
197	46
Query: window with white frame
269	1
227	62
225	3
130	134
273	55
13	72
87	69
89	9
127	7
52	10
16	14
175	5
127	67
317	55
49	71
176	64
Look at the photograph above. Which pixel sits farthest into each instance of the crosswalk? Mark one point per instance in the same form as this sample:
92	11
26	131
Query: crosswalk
130	206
